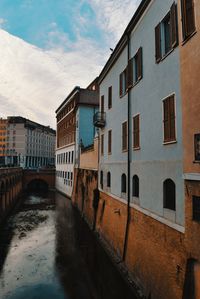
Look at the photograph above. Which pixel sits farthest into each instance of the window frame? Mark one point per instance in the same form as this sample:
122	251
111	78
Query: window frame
126	136
109	142
185	34
136	131
166	204
170	140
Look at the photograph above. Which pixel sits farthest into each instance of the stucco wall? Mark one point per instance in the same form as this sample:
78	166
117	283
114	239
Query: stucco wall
154	162
89	158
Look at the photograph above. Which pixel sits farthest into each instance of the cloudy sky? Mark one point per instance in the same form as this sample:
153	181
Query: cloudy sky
76	34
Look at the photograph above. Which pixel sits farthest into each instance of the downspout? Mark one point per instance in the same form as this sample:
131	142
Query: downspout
128	158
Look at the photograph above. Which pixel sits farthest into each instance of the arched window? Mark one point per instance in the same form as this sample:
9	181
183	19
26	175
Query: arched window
169	195
101	179
108	179
135	186
123	183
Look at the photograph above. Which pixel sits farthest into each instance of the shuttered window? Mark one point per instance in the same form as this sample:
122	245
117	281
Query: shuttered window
102	144
124	136
174	25
102	103
169	119
109	141
166	34
197	146
110	97
158	42
130	73
123	82
136	131
188	18
138	65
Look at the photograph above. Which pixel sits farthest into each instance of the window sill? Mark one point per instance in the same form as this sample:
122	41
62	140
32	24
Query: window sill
196	161
188	38
169	142
165	55
169	214
121	96
110	153
136	148
125	151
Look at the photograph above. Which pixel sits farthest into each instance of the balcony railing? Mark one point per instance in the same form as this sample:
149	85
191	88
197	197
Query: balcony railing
99	119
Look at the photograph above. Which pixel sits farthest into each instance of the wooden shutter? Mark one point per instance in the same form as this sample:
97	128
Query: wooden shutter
126	79
172	118
130	73
158	42
102	103
140	70
124	136
169	119
102	144
136	131
109	141
174	25
120	84
110	97
188	17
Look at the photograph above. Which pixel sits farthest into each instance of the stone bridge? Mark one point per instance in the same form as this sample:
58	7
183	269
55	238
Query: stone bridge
39	178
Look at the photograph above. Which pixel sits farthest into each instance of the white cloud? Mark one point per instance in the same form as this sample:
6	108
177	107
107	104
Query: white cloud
114	15
34	82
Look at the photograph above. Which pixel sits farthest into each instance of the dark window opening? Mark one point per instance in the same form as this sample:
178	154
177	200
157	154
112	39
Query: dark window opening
196	208
135	186
123	183
108	179
169	194
101	179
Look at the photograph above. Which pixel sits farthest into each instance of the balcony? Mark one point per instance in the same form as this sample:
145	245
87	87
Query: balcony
99	119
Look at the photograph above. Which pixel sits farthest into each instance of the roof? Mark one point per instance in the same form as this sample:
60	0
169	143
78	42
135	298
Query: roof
124	38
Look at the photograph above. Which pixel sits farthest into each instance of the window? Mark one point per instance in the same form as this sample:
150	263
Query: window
138	66
102	144
124	136
196	208
188	18
197	146
109	141
123	83
123	183
69	157
102	103
169	194
136	132
169	119
135	186
72	156
101	179
108	179
166	34
110	97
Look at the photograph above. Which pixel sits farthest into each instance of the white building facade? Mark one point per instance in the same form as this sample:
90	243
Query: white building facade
141	142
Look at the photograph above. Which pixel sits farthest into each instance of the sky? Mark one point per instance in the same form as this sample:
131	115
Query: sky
78	34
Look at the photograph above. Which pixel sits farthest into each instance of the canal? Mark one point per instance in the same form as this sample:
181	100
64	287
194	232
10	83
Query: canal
47	251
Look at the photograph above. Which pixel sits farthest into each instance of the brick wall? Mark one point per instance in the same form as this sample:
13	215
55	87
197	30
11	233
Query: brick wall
155	255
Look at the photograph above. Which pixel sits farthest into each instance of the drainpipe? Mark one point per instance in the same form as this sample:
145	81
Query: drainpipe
128	159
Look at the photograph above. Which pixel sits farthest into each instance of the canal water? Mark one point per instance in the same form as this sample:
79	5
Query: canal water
47	251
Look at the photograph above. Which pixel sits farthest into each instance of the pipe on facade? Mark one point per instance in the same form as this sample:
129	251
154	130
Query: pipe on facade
128	158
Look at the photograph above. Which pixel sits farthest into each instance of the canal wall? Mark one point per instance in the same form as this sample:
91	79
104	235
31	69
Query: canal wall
83	196
10	190
154	255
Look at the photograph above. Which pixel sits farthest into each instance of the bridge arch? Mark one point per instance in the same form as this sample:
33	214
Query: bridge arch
38	185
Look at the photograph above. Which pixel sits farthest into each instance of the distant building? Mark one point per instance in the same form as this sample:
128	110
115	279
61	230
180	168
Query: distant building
74	130
3	138
29	144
